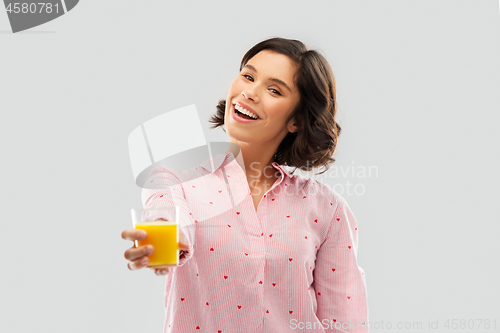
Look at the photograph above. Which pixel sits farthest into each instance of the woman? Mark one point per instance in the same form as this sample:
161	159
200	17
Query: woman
286	259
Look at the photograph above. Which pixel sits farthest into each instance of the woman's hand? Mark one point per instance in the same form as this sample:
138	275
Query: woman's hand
138	256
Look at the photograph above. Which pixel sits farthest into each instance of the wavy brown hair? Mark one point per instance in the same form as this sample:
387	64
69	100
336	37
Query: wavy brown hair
314	143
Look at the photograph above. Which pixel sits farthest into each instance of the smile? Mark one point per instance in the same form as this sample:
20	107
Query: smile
242	115
241	110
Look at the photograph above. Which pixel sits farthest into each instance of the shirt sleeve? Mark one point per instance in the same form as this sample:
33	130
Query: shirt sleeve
165	189
339	283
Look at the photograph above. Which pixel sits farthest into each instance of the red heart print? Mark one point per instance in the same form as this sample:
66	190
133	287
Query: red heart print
306	237
225	276
197	327
260	282
290	259
331	204
310	267
348	297
262	234
333	269
349	247
211	203
190	213
319	294
334	320
274	284
207	303
161	196
228	176
290	312
229	226
308	288
338	219
196	274
246	254
288	216
219	331
182	299
273	199
195	221
239	306
271	235
356	228
303	197
237	213
267	311
316	220
286	185
265	195
211	249
220	191
194	186
316	247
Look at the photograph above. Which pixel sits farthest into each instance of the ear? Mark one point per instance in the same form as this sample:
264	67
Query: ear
292	126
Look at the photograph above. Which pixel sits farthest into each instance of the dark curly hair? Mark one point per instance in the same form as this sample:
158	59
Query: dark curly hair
314	143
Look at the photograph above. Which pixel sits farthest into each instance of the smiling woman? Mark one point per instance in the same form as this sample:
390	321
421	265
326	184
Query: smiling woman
264	251
299	88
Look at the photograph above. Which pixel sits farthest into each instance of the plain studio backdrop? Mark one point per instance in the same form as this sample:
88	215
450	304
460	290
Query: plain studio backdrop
417	90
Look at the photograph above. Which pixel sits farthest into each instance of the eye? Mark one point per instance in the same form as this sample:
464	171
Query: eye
277	92
248	77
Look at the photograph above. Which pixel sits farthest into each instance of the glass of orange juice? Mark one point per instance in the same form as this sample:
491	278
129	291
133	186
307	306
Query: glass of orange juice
161	225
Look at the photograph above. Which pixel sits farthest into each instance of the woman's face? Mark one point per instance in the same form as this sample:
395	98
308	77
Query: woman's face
264	87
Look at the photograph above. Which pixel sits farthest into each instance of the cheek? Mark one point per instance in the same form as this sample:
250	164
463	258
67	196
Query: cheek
278	108
234	87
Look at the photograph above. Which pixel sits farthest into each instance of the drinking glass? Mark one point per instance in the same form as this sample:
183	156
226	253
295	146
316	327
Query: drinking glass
161	225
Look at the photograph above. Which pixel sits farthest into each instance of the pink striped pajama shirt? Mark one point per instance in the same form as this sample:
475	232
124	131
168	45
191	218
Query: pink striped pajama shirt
289	266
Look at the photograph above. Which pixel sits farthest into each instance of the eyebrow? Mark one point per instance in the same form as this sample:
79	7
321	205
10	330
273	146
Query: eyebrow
270	79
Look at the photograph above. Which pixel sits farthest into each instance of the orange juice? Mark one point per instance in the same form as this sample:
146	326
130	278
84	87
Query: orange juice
162	235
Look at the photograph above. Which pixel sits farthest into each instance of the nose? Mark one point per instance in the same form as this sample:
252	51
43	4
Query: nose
248	94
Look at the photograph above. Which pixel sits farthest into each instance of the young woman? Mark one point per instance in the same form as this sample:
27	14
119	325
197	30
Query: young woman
264	250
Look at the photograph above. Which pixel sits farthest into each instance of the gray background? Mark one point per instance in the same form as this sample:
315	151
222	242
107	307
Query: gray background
418	87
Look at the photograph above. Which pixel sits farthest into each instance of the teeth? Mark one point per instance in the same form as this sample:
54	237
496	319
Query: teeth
245	111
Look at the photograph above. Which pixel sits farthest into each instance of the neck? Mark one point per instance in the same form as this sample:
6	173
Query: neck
256	163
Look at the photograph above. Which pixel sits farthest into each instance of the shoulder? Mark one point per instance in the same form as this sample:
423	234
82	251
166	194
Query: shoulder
320	196
318	190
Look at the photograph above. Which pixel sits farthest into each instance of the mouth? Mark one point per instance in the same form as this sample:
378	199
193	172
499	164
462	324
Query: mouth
242	116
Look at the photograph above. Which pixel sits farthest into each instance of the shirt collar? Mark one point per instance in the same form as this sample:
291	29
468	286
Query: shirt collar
283	170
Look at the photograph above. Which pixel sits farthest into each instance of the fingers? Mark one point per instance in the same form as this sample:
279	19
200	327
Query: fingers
183	244
161	271
138	263
134	234
135	253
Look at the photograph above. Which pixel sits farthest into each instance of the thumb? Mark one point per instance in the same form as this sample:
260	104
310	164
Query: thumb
183	246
